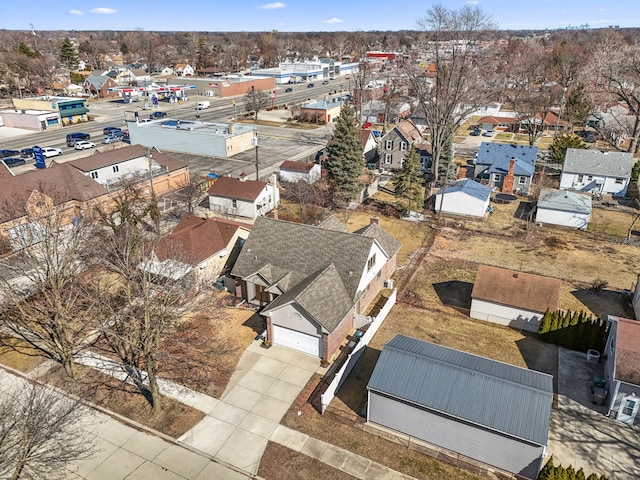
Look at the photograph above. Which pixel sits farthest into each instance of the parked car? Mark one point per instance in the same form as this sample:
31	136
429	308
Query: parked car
488	133
476	132
51	152
366	125
288	90
83	145
26	152
325	82
157	115
110	130
111	139
311	85
9	153
13	161
590	137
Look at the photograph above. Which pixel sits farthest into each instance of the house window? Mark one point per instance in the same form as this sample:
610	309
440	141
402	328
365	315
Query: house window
234	203
589	178
402	162
580	178
403	146
619	181
496	177
371	262
116	169
389	144
522	180
94	175
387	158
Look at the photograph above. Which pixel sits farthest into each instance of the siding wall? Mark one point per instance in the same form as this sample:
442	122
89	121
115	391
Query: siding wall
467	439
504	315
565	219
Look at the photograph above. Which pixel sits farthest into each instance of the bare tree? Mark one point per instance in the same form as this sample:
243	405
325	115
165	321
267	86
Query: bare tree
45	303
310	197
40	432
461	84
255	101
191	195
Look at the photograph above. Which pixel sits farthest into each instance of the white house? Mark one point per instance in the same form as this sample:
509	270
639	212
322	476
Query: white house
183	70
511	298
564	208
291	171
242	197
596	172
464	197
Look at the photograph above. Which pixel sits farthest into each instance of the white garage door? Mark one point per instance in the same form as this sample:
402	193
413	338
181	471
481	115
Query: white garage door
297	341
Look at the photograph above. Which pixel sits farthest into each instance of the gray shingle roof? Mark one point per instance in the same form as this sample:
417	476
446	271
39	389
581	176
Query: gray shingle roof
503	397
332	223
499	155
389	244
595	162
470	187
564	201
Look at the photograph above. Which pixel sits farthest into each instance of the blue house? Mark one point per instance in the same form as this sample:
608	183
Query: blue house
497	162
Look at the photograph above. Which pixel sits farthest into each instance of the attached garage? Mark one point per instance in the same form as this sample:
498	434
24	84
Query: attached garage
302	342
488	411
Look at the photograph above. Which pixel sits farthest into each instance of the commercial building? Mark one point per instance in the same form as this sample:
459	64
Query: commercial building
37	120
71	109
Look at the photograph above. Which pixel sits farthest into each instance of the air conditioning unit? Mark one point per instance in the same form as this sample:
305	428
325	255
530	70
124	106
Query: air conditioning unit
388	283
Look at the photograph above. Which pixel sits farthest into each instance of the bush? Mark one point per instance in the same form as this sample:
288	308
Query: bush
599	284
552	472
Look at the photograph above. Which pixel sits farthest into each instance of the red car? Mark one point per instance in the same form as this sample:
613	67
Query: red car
366	125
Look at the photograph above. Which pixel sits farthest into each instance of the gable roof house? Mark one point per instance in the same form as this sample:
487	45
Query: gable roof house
509	168
463	197
597	172
369	141
622	369
511	298
183	70
564	208
242	197
394	146
99	85
492	412
291	171
201	247
312	280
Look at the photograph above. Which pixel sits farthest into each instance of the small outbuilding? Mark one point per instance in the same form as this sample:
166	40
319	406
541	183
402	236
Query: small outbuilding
293	172
464	197
511	298
492	412
564	208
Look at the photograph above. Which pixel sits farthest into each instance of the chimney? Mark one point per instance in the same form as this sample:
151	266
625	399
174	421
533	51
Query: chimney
374	220
275	214
230	128
242	177
508	182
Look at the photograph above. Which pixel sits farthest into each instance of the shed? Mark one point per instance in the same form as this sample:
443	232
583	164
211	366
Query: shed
511	298
489	411
464	197
564	208
291	171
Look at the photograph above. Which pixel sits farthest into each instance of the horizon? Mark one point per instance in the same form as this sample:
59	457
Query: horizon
295	16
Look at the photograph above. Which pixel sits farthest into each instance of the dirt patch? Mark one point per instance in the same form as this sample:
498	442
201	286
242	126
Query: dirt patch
17	354
278	460
173	419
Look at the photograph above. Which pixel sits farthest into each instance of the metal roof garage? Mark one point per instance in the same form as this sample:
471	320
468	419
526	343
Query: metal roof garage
489	411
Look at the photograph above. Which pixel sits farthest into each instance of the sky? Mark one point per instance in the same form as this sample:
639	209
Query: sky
302	15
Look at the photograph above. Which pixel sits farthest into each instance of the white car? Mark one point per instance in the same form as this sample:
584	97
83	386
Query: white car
51	152
82	145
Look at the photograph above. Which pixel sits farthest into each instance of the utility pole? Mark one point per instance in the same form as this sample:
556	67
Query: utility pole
255	142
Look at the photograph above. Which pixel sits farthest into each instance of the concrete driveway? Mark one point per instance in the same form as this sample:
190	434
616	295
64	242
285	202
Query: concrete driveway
237	427
580	434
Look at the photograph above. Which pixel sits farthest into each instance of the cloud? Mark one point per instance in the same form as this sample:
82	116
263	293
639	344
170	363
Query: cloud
334	20
273	6
104	11
472	2
75	12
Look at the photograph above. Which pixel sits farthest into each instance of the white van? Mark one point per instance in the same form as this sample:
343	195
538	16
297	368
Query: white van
203	105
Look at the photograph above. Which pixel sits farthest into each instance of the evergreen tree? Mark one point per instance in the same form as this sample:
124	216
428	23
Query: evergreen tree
345	159
545	323
408	183
559	146
578	106
24	49
124	49
67	54
593	476
580	474
547	471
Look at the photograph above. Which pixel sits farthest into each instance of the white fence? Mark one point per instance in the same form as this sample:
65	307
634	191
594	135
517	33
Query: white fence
352	360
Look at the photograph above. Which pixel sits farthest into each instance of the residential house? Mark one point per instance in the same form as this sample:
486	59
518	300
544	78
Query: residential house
374	112
183	70
511	298
201	248
300	171
243	197
99	85
163	71
369	142
511	122
463	197
596	172
564	208
313	280
134	162
509	168
394	146
622	369
474	407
